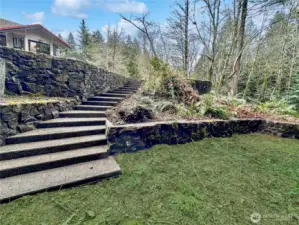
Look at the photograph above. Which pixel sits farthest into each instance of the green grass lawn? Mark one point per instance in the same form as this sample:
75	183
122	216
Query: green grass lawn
214	181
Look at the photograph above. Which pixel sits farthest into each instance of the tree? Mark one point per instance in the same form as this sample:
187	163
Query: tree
130	53
114	43
208	32
97	37
59	35
241	37
71	40
84	37
178	32
146	27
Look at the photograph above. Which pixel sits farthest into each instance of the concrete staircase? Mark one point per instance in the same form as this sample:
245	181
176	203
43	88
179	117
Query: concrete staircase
62	152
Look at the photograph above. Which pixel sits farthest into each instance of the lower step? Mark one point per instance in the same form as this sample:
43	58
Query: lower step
14	167
14	151
63	177
55	133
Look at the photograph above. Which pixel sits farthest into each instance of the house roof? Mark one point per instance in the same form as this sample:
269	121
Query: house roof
16	27
7	23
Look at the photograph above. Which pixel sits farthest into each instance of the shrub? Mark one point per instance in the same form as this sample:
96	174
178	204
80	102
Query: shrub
275	107
218	112
179	89
159	71
294	92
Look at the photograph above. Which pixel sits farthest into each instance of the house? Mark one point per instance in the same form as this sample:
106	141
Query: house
33	38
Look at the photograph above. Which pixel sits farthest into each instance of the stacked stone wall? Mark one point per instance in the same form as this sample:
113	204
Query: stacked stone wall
28	72
131	138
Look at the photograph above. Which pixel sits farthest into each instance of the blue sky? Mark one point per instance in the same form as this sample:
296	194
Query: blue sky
63	16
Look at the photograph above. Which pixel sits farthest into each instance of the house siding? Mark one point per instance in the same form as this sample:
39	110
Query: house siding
31	34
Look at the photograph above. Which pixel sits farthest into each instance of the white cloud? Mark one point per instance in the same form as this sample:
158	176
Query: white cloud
122	25
72	8
124	6
37	17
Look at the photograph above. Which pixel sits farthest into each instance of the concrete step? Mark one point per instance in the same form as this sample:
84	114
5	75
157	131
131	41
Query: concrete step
103	99
82	114
71	122
127	89
62	177
113	95
104	103
55	133
14	151
131	86
92	107
14	167
121	92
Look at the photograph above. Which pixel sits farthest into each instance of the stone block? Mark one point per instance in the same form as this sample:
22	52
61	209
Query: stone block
202	87
25	128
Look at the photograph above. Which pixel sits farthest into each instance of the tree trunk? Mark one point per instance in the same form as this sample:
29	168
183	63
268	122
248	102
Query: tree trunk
241	38
186	39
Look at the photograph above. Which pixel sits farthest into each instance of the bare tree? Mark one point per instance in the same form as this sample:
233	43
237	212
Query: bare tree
179	32
241	36
208	31
145	26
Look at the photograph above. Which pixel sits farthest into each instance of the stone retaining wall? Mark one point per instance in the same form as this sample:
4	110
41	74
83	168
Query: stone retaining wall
282	129
27	72
130	138
20	118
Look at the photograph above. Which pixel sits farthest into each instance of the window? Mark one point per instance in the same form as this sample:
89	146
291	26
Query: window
39	47
18	43
2	40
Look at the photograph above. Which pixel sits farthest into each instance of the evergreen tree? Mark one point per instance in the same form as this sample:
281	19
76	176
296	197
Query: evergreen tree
71	40
59	35
136	45
84	37
97	37
130	54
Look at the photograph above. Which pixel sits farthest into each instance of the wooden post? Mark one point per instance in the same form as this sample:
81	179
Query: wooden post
2	79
